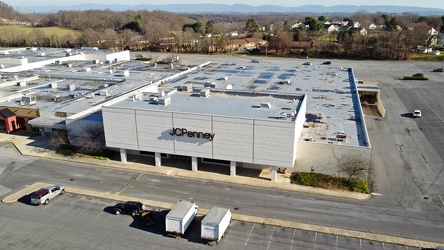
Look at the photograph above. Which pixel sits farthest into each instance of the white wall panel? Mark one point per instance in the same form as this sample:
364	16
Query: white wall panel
154	129
120	127
192	146
233	139
274	142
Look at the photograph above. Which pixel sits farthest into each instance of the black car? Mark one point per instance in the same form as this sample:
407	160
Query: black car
130	207
418	75
438	70
326	63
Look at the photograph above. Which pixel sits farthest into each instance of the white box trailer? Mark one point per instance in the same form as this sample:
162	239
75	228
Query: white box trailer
215	223
180	217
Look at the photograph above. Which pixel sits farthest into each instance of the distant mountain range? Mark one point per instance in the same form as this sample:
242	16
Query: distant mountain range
238	8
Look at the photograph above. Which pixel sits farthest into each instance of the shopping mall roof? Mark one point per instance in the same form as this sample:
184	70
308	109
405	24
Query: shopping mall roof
71	85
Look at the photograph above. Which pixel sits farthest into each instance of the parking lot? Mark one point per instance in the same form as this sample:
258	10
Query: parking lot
78	222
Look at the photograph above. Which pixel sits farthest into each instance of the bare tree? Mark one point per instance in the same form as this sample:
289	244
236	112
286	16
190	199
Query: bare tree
59	139
92	140
353	166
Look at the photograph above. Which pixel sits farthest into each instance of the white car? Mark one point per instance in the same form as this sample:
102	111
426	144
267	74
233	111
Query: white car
416	113
43	195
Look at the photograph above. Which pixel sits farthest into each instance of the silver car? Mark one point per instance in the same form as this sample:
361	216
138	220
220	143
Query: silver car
43	195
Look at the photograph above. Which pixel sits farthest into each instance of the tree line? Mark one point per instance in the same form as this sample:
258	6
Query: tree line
188	33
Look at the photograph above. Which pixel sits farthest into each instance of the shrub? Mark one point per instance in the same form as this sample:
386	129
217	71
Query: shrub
143	59
329	182
65	152
100	158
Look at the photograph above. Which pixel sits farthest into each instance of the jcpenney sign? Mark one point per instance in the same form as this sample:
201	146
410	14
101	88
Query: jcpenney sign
195	134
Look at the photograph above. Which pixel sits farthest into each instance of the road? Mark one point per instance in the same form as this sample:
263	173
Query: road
362	216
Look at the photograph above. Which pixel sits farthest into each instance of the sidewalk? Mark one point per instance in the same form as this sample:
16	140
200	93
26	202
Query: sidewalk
37	146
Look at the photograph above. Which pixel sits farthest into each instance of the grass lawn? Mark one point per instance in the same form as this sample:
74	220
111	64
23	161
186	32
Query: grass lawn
47	31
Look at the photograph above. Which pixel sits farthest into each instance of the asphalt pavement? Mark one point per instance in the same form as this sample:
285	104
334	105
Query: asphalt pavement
36	146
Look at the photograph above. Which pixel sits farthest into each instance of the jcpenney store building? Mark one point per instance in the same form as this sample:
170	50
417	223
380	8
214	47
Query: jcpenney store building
251	131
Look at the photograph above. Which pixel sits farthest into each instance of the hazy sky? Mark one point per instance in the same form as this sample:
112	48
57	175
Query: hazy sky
289	3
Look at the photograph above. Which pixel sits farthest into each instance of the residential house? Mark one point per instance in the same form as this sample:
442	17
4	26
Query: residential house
245	43
333	29
296	25
233	33
376	26
362	31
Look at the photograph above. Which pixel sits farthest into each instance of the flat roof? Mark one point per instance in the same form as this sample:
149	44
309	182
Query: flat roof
332	102
223	103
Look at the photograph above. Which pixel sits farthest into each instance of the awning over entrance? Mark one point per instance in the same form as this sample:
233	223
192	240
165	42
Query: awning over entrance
54	122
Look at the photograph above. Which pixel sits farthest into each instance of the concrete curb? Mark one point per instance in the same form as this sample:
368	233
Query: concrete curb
24	191
239	217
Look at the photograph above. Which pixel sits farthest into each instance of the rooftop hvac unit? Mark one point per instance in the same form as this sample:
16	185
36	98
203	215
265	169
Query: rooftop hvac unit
187	87
164	100
286	82
265	105
126	73
105	85
21	83
29	100
282	115
205	92
210	85
104	92
86	70
95	61
53	85
72	87
153	99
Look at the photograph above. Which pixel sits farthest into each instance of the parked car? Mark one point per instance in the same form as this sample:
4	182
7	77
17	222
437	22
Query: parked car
130	207
303	57
326	63
306	63
418	75
438	70
255	61
43	195
416	113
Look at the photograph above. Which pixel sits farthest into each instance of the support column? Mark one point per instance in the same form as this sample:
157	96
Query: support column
157	159
273	173
194	163
232	168
123	156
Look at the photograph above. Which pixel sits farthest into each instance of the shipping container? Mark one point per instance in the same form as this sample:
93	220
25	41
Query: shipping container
215	224
180	217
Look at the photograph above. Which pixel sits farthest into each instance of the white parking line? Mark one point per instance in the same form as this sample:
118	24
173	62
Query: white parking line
98	214
249	234
83	211
292	239
360	243
271	236
337	241
316	236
